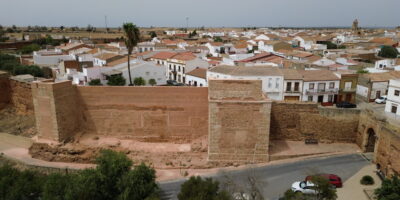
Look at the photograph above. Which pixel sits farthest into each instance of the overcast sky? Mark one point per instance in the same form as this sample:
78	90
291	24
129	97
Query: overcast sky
209	13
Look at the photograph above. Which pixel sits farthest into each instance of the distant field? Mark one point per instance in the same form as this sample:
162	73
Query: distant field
71	34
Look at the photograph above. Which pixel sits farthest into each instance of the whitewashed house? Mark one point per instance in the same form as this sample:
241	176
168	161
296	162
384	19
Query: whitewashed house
385	63
320	86
272	78
393	98
197	78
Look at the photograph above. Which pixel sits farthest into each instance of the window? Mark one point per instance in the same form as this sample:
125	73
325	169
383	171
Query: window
394	109
277	83
269	82
330	98
179	68
296	86
147	73
347	85
396	92
183	70
288	86
310	98
332	85
311	86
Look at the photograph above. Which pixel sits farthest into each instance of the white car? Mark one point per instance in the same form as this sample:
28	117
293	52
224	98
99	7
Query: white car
381	100
304	187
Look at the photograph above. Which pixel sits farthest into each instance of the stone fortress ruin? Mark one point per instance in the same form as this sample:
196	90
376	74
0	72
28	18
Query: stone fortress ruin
236	119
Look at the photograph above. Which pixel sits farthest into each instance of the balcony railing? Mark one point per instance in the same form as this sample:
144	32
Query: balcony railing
292	91
322	91
348	90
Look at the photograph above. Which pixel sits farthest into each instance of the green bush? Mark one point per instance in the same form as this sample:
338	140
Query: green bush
139	81
116	80
111	179
95	82
388	52
197	188
30	48
390	189
367	180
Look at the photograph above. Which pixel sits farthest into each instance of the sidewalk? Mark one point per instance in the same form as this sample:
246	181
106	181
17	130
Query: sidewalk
17	148
352	189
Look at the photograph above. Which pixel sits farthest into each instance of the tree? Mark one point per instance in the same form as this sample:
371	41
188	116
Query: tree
139	81
15	185
89	28
362	71
112	166
95	82
198	189
33	70
56	186
152	82
132	36
388	52
30	48
290	195
218	39
116	80
138	184
390	189
324	189
61	28
87	184
153	34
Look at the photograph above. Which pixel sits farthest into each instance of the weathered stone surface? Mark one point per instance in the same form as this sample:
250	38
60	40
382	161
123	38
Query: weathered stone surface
239	118
300	121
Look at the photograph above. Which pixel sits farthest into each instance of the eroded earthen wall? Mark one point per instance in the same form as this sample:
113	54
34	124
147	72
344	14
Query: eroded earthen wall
21	96
151	113
56	110
300	121
239	122
5	91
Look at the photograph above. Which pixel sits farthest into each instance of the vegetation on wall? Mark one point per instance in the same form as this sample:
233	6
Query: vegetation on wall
10	64
113	178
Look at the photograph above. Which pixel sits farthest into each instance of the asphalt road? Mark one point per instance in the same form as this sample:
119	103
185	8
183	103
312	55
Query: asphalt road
276	179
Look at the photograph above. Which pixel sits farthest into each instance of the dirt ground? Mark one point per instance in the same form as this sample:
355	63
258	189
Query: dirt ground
160	155
17	124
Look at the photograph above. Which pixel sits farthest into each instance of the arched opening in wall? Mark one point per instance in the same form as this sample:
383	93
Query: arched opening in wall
370	146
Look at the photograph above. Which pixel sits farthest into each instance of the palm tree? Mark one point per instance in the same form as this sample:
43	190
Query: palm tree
132	35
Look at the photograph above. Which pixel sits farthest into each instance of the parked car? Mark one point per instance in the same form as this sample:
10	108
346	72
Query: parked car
335	180
174	83
305	187
381	100
345	104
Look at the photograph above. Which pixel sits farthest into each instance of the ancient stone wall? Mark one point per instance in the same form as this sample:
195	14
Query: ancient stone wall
21	96
386	142
148	113
56	110
5	90
239	117
300	121
151	113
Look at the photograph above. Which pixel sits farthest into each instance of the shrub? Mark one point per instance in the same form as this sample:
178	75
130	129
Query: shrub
139	81
95	82
197	188
388	52
152	82
367	180
116	80
390	189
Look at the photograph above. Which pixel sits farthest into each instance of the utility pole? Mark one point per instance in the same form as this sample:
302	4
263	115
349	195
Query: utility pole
105	20
187	23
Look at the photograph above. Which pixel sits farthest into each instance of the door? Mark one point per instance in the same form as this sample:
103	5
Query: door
378	94
348	98
320	99
292	98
